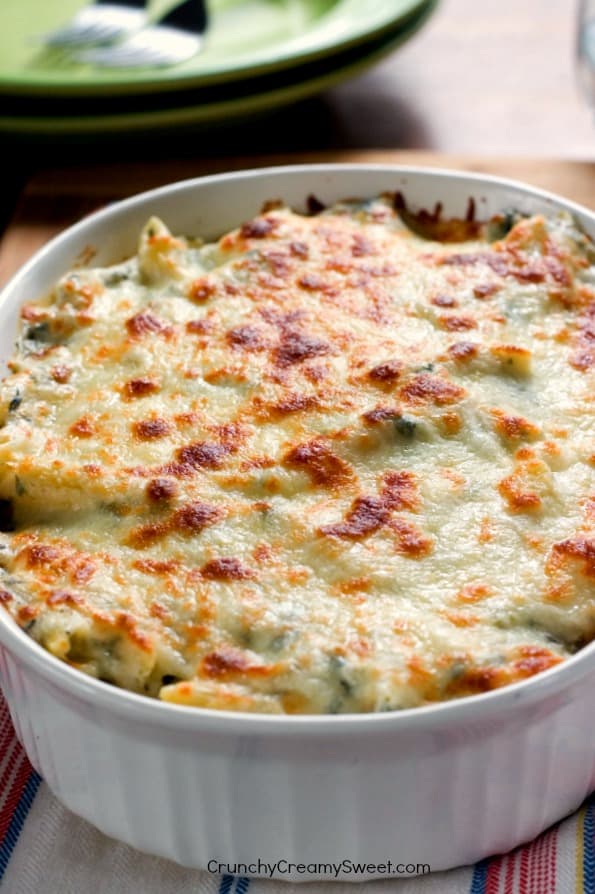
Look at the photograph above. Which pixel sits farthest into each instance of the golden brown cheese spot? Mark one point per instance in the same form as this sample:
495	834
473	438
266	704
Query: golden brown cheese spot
583	357
257	462
292	403
324	467
82	428
226	569
203	455
312	282
354	585
128	623
299	249
400	491
225	374
444	301
462	351
232	434
476	680
459	619
521	489
516	358
534	661
63	597
296	346
228	661
200	327
450	424
580	549
39	554
189	519
50	562
157	610
156	567
27	613
426	388
455	479
194	517
514	428
420	675
151	429
457	323
366	516
485	290
61	374
145	324
507	260
386	374
410	541
201	289
279	262
160	490
247	338
472	593
259	228
93	470
145	535
486	531
31	313
496	261
362	246
139	388
381	413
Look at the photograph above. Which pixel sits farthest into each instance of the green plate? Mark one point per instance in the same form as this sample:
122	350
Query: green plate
260	95
246	38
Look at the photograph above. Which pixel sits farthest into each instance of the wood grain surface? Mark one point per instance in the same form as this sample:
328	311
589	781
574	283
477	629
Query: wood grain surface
55	198
483	76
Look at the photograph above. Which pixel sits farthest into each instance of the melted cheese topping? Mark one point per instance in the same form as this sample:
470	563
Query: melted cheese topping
325	464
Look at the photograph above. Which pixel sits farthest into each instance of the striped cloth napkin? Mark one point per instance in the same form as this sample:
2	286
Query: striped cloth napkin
44	849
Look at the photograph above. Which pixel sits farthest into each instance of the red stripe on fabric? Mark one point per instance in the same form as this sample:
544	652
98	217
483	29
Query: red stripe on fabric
5	780
553	852
536	881
492	885
16	772
540	879
6	727
532	863
549	847
509	879
17	752
20	781
524	871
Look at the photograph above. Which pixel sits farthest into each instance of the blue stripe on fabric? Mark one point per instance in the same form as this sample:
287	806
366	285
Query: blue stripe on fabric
242	885
18	818
589	850
480	877
226	883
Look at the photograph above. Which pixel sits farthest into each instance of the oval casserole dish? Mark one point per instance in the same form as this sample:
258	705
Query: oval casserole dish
442	785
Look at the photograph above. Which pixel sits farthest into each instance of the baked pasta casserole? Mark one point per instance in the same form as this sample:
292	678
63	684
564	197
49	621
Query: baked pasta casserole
341	461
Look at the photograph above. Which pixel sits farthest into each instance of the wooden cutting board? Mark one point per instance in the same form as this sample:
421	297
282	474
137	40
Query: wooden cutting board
53	199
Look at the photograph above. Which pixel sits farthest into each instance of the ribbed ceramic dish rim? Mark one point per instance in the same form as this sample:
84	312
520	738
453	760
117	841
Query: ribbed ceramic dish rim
143	708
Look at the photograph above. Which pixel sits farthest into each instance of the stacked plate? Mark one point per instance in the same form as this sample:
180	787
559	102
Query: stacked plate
258	55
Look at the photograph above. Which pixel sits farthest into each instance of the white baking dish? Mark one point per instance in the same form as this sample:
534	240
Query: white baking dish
443	785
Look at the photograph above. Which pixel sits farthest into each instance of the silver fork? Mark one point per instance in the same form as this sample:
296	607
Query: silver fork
103	22
176	38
